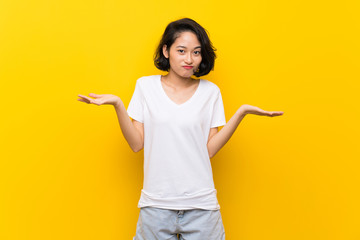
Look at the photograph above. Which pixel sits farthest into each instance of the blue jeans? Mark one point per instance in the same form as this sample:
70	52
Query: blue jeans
166	224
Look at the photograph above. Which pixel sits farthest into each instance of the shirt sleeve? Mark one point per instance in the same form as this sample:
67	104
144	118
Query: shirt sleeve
136	106
218	116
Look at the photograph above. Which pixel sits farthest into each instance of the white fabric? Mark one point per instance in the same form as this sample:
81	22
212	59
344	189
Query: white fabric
177	167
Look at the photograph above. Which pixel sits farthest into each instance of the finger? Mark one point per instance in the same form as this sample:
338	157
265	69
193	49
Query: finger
279	113
84	97
273	114
95	95
85	101
96	102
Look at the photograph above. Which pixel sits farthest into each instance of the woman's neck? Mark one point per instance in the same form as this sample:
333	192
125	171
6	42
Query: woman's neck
177	81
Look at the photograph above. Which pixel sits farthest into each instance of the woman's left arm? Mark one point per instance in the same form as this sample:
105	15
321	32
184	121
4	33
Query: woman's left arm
218	140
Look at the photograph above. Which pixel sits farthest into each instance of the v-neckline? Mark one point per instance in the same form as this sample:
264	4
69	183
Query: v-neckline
171	101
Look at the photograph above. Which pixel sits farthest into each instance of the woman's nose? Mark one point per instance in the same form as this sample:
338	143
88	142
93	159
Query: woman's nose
188	59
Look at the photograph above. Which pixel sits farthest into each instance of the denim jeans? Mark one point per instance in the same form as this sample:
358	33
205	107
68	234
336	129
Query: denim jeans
165	224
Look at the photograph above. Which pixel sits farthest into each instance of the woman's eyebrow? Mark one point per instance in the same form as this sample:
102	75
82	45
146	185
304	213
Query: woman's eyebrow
185	47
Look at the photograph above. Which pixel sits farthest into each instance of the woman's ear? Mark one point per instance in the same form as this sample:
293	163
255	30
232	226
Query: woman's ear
165	52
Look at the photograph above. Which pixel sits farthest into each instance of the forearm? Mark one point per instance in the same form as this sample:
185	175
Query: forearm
129	131
222	137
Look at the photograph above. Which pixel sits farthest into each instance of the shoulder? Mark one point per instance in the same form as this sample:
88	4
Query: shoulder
145	80
210	86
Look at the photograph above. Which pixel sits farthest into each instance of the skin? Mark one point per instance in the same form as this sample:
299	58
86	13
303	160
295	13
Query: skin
179	86
185	51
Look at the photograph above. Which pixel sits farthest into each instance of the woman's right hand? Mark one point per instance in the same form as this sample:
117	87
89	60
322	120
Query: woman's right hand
100	99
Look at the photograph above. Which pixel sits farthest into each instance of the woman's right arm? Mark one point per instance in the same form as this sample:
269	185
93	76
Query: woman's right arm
133	131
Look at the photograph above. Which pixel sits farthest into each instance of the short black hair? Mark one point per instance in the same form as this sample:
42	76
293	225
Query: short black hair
173	31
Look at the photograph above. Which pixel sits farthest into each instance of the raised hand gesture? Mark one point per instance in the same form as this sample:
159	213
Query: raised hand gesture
100	99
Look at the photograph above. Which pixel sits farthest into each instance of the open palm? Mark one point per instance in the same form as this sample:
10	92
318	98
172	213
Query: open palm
248	109
100	99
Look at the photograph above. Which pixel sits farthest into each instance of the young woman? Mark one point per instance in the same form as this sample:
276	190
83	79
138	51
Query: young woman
175	118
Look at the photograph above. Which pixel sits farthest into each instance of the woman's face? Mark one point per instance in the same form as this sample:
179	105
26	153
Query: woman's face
185	51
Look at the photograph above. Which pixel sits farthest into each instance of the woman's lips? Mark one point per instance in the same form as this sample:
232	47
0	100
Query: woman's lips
188	67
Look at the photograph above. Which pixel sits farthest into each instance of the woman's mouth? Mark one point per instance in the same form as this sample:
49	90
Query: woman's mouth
188	67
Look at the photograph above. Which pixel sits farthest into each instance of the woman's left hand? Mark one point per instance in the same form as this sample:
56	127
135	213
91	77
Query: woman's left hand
248	109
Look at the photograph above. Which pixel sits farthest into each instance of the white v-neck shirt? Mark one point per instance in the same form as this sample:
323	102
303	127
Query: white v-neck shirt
177	167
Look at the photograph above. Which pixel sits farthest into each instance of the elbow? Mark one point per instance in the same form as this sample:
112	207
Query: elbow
210	153
137	148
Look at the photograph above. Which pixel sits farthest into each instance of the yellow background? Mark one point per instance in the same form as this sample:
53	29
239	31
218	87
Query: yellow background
68	173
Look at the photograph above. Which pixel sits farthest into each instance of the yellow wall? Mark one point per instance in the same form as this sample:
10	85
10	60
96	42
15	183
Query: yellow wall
67	172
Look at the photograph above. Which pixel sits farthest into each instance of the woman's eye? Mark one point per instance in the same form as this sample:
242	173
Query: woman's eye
181	50
197	52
